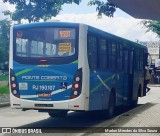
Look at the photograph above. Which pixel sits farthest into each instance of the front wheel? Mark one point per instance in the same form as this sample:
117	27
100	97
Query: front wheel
58	113
134	103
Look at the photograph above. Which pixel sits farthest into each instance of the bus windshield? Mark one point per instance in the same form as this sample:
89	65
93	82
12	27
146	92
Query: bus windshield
45	42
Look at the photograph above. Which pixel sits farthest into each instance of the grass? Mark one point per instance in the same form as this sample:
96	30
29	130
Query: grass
4	89
4	76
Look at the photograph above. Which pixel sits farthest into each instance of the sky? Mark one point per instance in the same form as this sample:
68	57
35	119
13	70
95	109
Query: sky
121	24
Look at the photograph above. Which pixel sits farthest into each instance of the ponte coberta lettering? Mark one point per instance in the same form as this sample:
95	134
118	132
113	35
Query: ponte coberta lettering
44	77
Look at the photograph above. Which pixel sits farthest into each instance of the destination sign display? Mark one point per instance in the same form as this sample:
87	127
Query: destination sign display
65	47
64	33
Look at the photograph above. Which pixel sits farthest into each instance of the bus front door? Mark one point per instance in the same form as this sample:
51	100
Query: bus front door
129	75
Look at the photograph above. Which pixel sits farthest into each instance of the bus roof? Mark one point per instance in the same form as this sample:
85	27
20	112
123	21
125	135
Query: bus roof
45	24
114	37
68	24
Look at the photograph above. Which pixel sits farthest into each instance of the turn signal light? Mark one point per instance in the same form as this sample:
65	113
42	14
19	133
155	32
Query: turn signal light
76	84
77	79
13	84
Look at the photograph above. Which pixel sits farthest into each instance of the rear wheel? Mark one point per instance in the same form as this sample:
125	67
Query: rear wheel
111	106
58	113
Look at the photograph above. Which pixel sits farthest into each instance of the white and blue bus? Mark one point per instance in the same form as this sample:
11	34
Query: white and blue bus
57	67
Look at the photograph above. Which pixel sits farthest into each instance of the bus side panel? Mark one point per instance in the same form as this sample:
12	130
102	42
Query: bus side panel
101	84
126	87
116	82
96	91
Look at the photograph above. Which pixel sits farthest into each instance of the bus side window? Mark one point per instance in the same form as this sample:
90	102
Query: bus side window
126	61
117	56
109	44
120	58
131	59
141	60
102	54
114	53
138	60
135	62
92	52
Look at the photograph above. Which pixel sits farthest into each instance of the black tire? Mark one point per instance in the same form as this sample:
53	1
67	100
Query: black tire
111	106
58	113
134	103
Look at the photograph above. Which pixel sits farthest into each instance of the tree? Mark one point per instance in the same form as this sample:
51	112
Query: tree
4	40
105	8
109	9
153	26
34	10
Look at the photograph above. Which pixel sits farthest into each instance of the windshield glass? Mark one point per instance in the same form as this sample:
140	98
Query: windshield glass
45	42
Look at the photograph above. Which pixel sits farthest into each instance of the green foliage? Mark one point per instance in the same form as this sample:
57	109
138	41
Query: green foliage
153	26
34	10
4	40
105	8
4	89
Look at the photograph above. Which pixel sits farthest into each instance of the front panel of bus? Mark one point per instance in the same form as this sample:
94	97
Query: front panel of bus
44	73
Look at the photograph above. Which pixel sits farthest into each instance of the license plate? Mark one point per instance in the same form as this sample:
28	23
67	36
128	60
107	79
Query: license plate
44	94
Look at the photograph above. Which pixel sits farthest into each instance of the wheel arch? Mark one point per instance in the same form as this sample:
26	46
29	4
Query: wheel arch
140	92
113	91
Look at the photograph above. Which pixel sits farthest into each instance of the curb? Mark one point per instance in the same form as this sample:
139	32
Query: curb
154	85
5	104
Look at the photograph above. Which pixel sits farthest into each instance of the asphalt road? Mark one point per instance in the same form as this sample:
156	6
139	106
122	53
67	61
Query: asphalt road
32	119
17	118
